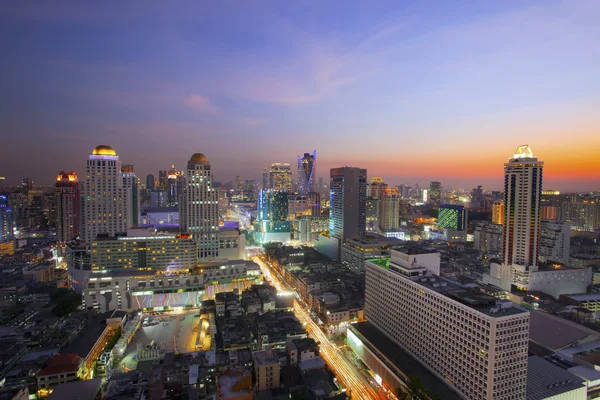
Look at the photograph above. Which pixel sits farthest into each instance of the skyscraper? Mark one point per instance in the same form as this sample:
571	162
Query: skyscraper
105	198
68	218
498	212
174	186
348	194
376	187
522	192
452	217
199	210
149	182
389	210
307	169
163	180
130	184
6	220
280	177
435	194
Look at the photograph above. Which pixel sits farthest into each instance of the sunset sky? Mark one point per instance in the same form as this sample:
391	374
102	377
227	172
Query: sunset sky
411	90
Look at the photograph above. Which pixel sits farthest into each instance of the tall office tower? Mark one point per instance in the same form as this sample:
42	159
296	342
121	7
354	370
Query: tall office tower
68	219
307	170
347	202
498	212
403	191
280	177
452	217
105	198
27	184
389	210
376	187
6	220
314	201
265	179
372	214
435	194
555	241
149	182
19	205
273	206
163	180
2	182
130	183
174	186
199	213
582	212
477	197
475	343
522	192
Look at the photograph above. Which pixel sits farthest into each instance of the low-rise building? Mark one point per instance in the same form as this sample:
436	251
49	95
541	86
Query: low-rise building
266	370
358	249
61	368
487	237
235	385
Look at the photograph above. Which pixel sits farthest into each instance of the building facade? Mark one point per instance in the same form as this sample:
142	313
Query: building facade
498	212
555	241
130	183
199	211
582	213
68	208
452	217
6	220
105	197
280	177
389	210
307	172
473	342
487	237
347	202
434	196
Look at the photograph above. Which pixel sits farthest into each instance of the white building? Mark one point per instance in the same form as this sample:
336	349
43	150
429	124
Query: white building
473	342
555	241
356	250
105	198
389	210
199	208
487	237
232	244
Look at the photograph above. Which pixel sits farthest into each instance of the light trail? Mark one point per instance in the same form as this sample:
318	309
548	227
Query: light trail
357	386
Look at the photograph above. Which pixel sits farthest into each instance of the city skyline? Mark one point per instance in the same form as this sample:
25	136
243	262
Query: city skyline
412	93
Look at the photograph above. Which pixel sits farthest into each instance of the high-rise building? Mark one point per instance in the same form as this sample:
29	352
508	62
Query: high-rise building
452	216
555	241
6	220
174	186
199	213
158	198
442	324
347	202
149	182
372	214
522	219
435	194
163	180
487	238
389	210
68	218
307	169
477	197
27	184
280	177
2	180
274	205
498	213
265	179
376	187
582	212
105	202
404	191
130	183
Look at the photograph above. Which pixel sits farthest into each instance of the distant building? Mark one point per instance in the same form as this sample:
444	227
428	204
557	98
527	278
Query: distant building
435	194
307	170
6	220
550	212
487	237
376	187
347	204
158	199
583	213
356	250
555	241
452	217
372	214
149	182
389	210
68	218
498	213
130	183
280	177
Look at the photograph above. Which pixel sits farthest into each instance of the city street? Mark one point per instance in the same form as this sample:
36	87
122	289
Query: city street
346	371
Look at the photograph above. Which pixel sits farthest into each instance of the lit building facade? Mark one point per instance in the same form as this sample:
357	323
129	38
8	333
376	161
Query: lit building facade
475	343
68	209
555	241
487	238
498	212
6	220
376	187
280	177
389	210
452	217
347	202
434	196
105	201
582	213
199	213
307	172
130	183
372	214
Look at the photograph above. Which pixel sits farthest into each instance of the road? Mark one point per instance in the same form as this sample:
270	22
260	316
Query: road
356	384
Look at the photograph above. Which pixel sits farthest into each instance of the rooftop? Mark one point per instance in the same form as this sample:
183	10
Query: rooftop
79	390
556	333
265	357
402	360
546	380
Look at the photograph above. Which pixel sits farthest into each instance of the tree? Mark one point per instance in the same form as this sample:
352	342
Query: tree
414	390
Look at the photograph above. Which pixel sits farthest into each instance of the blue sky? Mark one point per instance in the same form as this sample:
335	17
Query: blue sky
413	91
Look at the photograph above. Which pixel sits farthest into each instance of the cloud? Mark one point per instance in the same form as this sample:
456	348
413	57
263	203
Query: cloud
201	103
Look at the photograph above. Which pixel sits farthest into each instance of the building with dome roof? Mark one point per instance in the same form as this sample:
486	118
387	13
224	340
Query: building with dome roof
199	207
105	198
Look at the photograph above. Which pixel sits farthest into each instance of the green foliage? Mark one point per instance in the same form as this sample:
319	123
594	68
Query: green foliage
414	390
65	302
113	339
